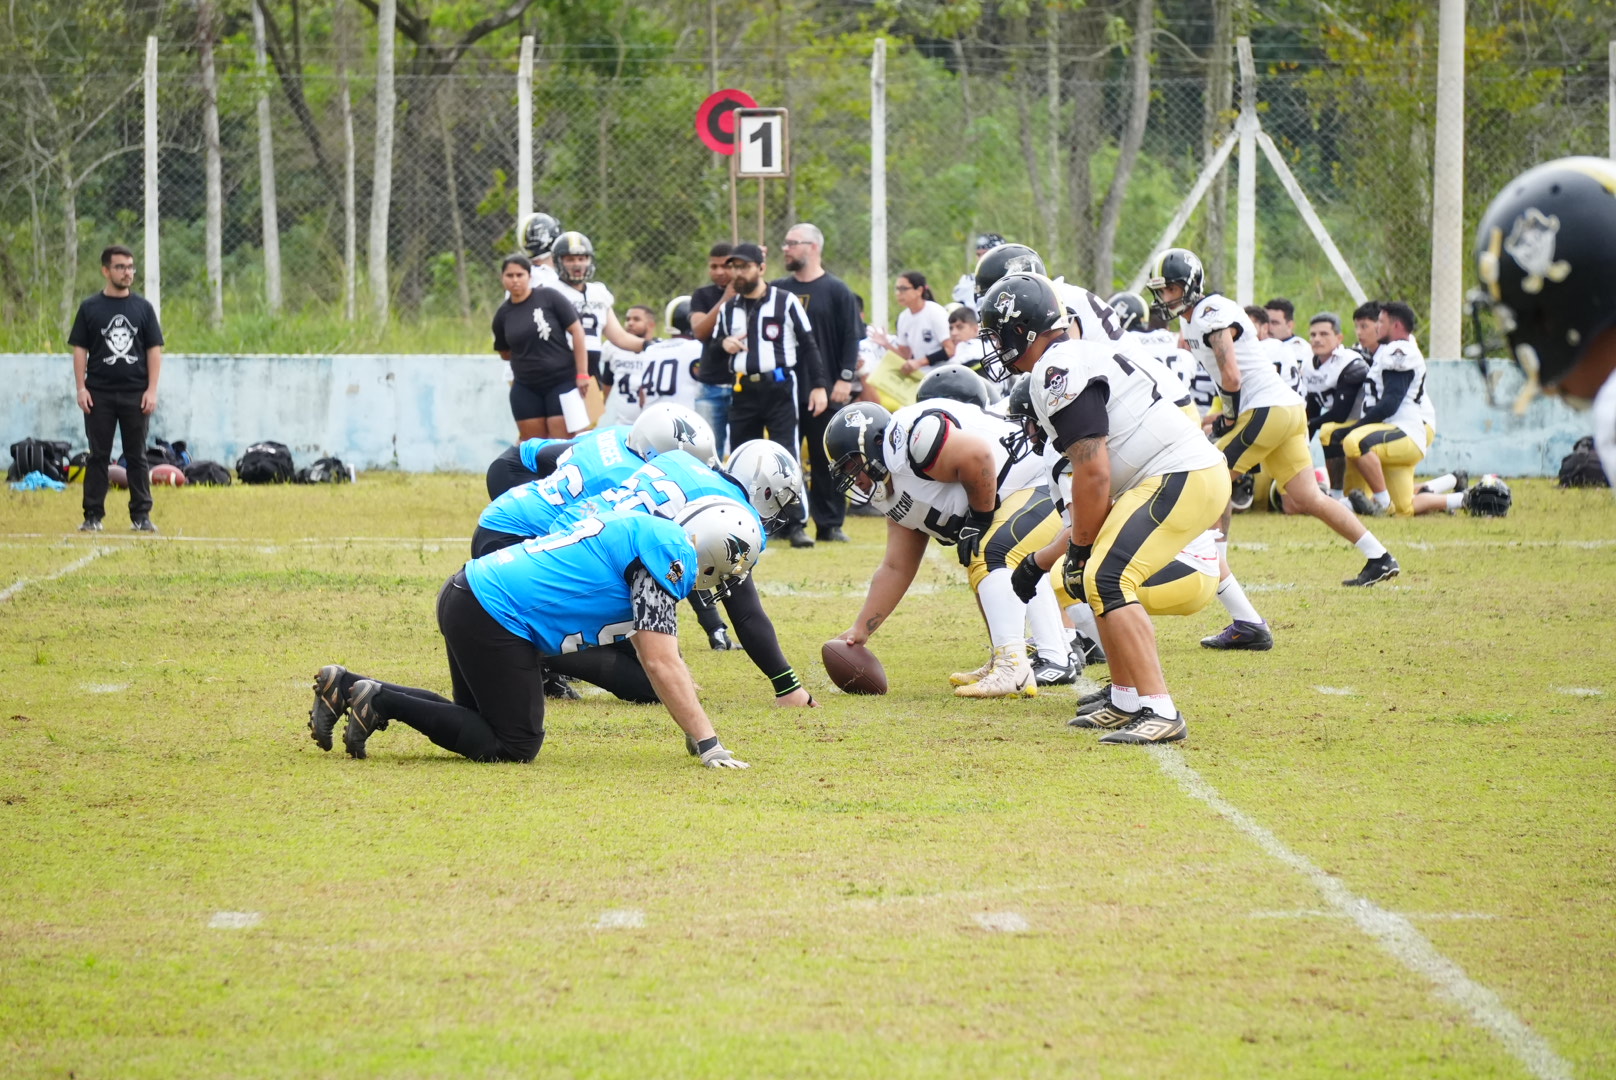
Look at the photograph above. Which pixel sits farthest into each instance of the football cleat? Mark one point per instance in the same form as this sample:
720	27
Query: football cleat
1244	493
1149	727
363	719
718	639
966	678
1094	700
1374	570
1361	504
1010	676
1105	718
91	524
1241	635
142	524
329	704
799	538
560	687
1049	673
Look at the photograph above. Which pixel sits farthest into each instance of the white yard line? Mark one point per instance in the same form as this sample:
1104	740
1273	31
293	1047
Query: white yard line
235	920
77	564
1432	916
1003	922
621	919
1391	931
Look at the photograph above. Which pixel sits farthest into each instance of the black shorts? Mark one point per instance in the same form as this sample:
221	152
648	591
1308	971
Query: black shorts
536	403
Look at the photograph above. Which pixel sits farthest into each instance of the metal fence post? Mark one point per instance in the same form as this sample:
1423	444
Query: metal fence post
153	286
878	184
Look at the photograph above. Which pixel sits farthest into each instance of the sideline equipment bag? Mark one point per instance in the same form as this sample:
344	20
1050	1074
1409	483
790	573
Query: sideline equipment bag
41	456
328	470
1581	467
207	472
266	462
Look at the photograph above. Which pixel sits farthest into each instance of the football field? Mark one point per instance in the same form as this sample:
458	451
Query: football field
1387	848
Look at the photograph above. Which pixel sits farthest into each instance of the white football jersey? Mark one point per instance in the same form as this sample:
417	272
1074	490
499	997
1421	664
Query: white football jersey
1402	356
1163	345
1260	385
1286	365
1092	318
1149	435
1321	380
669	371
594	304
623	396
544	276
1604	417
969	352
1301	357
930	506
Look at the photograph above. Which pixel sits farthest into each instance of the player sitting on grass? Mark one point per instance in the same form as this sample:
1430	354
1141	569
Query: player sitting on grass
760	476
1145	483
597	602
942	469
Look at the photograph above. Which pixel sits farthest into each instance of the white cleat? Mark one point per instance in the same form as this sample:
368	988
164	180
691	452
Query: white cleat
1011	676
966	678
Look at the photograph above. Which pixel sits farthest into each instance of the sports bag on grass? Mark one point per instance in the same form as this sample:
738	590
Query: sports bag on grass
207	472
1581	467
266	462
41	456
328	470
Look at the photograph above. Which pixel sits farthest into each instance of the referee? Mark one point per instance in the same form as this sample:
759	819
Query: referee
766	334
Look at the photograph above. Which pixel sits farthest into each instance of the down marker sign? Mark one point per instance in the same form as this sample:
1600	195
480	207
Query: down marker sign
764	136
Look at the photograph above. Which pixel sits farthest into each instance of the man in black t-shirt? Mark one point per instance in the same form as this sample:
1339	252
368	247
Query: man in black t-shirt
117	358
833	312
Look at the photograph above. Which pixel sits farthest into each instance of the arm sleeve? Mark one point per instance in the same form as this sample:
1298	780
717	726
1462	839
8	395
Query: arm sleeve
1395	387
807	348
1346	392
655	609
549	454
1084	418
938	357
754	630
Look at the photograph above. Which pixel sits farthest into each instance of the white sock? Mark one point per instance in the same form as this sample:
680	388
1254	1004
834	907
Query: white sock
1371	548
1006	615
1223	551
1456	500
1383	499
1125	698
1235	602
1083	621
1160	704
1044	619
1442	484
1338	494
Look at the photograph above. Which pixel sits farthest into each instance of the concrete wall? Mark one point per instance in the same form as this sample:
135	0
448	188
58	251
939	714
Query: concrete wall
426	413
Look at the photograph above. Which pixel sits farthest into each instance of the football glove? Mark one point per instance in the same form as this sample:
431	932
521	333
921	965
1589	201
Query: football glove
972	534
1025	578
1221	425
1077	557
719	758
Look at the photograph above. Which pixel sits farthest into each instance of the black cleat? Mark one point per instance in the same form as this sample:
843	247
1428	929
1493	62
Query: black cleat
1094	700
142	524
833	535
329	704
91	524
1048	673
1244	494
1374	570
363	719
719	640
1149	727
799	538
1105	718
1241	635
560	687
1092	653
1362	505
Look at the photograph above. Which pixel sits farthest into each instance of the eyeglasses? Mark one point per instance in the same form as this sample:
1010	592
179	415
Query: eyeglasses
906	288
123	266
798	243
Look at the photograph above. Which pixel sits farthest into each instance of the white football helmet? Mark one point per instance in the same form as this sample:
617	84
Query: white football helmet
772	480
727	542
667	426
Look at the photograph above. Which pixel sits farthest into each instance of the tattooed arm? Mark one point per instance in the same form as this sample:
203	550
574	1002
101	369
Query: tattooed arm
1091	488
906	547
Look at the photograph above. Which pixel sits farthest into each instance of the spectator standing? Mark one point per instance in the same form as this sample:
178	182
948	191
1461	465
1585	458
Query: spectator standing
539	332
117	359
1282	328
768	340
713	374
836	327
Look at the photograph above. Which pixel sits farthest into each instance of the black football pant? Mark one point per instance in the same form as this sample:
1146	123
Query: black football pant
767	409
497	713
507	470
827	505
112	411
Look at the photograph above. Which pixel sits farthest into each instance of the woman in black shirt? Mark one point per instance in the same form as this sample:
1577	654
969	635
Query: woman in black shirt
531	329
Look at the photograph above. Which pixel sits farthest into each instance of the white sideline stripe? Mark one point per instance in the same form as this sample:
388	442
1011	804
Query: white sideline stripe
621	919
1004	922
1579	691
1339	691
235	920
110	687
1435	916
77	564
1264	586
1391	931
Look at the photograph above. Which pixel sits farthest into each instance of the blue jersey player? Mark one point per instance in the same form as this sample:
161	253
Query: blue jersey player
660	428
597	600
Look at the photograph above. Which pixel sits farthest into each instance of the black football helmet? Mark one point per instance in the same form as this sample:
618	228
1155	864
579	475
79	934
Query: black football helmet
1029	437
853	444
1488	497
1014	312
1183	266
573	243
677	315
955	382
1006	259
1131	311
1546	258
988	241
537	234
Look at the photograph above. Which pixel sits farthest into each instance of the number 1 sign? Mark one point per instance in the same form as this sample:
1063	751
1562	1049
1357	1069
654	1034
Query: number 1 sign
764	138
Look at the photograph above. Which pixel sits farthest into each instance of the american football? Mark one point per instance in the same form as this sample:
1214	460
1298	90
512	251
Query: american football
171	475
854	668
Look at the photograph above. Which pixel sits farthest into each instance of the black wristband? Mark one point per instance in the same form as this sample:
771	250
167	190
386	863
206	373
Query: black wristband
786	682
706	745
1078	552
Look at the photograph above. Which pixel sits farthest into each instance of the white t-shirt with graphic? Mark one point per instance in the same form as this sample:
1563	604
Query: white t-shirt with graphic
924	331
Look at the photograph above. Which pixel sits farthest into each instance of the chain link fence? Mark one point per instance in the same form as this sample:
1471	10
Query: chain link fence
974	143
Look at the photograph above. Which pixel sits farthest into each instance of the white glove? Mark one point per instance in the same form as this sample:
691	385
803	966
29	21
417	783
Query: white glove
719	758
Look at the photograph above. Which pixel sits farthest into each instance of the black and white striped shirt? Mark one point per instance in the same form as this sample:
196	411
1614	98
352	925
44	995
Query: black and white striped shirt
777	333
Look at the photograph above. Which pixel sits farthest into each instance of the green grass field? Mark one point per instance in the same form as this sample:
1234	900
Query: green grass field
909	886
